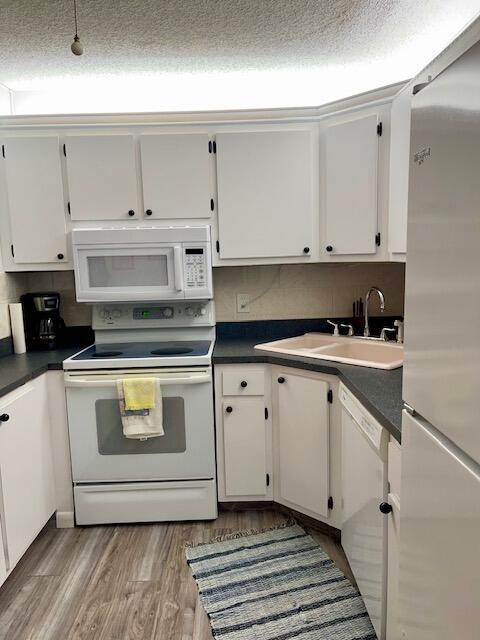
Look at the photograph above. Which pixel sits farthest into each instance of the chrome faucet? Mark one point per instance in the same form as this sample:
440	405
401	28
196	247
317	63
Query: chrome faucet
366	331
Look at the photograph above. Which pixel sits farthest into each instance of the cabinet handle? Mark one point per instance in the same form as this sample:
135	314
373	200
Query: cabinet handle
385	508
131	213
243	383
281	380
60	256
4	417
306	249
229	409
329	248
148	212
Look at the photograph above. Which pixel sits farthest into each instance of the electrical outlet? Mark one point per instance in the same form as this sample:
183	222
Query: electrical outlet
243	301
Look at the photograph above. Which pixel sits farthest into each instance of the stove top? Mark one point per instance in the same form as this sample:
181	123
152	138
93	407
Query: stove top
142	354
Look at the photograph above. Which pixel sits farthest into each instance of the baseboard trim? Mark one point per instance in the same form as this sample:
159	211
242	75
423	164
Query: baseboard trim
65	519
306	521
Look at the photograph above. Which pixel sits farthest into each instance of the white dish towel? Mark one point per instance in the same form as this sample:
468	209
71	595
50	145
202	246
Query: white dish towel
141	424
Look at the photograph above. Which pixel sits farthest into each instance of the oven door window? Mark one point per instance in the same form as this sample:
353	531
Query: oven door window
112	442
128	271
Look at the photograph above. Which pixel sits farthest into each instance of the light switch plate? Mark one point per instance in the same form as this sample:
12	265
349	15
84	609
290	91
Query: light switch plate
243	301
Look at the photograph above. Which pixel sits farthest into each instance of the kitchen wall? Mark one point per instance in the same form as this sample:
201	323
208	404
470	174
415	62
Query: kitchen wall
284	291
306	291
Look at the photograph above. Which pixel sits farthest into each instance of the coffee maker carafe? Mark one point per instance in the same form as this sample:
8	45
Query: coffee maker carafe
43	324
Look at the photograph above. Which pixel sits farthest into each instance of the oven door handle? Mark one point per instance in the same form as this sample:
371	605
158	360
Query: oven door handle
178	267
112	382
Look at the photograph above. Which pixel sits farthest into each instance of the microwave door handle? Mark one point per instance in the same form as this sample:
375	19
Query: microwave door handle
178	268
112	382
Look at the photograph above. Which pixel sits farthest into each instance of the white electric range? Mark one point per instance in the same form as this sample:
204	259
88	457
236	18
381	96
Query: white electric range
171	477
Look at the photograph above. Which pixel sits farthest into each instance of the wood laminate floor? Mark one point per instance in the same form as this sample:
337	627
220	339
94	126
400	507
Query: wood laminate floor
123	582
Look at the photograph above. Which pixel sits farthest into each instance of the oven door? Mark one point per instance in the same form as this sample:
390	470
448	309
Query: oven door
101	453
126	273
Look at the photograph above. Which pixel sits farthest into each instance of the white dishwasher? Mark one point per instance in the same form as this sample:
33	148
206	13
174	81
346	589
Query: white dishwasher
364	488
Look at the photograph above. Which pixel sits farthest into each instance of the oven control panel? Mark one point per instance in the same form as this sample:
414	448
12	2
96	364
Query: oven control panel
195	267
153	315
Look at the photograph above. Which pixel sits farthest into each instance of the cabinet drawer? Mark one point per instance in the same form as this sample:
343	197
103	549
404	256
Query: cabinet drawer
394	466
243	383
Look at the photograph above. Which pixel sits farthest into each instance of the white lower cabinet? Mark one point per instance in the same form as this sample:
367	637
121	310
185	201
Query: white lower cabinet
27	498
244	433
301	441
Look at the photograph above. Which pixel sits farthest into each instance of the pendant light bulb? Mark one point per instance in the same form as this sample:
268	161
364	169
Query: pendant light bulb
77	47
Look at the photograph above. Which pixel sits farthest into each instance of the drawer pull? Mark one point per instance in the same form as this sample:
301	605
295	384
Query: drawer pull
4	417
229	409
385	508
281	380
243	384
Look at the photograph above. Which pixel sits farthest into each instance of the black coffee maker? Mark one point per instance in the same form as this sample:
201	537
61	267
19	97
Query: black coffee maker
44	327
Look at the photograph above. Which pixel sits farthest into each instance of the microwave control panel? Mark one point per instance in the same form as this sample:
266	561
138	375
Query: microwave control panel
195	267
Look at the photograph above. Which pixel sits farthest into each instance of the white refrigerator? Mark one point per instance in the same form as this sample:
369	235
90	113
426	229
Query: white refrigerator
439	589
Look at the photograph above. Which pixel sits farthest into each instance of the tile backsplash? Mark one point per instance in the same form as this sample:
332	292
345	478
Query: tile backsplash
280	292
276	291
11	287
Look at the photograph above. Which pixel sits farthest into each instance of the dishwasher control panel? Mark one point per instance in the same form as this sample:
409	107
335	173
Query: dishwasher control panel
372	429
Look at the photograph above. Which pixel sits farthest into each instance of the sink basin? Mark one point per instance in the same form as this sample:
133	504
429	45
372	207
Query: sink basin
358	351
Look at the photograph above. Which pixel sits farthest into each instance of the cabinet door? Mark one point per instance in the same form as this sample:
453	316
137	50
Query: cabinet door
36	199
303	444
265	201
176	175
244	441
3	564
25	467
102	177
351	157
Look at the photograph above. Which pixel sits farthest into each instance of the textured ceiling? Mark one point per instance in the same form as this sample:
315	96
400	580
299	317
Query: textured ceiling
361	43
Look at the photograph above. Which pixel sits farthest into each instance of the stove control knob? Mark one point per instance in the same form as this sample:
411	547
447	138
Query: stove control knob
190	311
203	311
168	312
117	313
103	314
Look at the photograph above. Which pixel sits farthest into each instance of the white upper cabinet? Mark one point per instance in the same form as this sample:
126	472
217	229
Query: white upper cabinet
102	177
176	175
265	193
351	192
36	205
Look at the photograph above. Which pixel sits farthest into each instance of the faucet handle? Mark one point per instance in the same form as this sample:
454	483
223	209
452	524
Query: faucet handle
383	334
349	327
336	332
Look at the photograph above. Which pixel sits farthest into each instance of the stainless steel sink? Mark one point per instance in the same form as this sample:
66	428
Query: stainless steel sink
358	351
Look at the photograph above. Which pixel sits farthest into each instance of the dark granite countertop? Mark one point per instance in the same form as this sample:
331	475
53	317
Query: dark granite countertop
16	369
378	390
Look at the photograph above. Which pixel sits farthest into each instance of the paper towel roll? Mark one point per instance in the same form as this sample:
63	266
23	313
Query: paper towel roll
18	330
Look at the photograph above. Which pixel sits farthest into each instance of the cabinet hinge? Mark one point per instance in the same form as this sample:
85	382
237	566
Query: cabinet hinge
217	246
266	413
212	204
378	239
268	479
330	503
12	250
64	150
418	87
330	396
69	209
379	129
3	150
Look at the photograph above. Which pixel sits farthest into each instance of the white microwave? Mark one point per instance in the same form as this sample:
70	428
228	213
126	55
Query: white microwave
141	263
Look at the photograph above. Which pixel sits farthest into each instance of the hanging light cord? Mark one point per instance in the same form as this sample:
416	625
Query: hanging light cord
75	15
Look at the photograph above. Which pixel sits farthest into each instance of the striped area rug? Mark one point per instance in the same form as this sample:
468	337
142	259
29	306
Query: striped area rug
276	585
